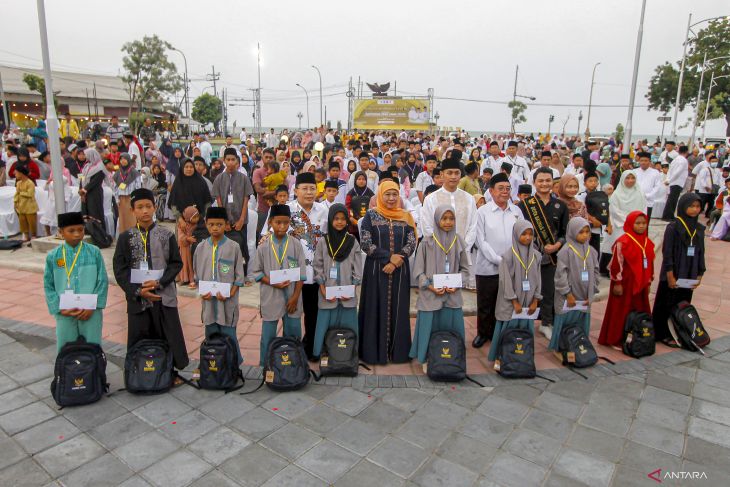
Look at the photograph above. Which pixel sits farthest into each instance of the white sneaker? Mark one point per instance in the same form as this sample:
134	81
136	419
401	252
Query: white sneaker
547	331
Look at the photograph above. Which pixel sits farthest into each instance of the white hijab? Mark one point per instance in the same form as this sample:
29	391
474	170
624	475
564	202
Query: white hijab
624	200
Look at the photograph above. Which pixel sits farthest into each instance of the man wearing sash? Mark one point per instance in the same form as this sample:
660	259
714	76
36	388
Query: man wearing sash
549	216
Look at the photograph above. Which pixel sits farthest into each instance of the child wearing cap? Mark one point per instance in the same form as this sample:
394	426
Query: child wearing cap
281	301
219	259
75	267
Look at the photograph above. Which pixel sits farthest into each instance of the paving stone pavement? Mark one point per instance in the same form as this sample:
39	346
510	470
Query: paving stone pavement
614	429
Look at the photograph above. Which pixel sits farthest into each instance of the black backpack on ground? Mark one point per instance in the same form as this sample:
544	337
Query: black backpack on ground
686	327
148	367
96	230
446	357
339	353
638	340
575	347
516	354
219	368
285	365
79	374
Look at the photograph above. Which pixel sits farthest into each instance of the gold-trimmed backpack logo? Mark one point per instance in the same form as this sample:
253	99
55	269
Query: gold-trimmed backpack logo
149	366
518	349
285	359
445	352
212	366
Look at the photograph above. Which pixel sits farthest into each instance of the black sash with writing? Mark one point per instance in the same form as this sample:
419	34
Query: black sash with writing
539	221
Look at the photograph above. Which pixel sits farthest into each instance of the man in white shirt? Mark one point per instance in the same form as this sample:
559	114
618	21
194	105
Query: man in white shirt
425	178
329	138
649	180
133	150
678	173
668	154
494	224
493	159
520	168
271	139
243	136
206	150
706	178
462	202
229	144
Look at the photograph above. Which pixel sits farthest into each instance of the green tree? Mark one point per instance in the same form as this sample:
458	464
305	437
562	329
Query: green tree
713	41
518	112
207	109
619	133
38	84
149	75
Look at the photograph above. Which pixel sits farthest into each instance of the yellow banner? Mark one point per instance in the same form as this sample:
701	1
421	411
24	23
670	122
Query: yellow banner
390	113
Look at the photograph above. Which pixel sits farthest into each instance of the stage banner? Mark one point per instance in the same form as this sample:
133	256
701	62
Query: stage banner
390	113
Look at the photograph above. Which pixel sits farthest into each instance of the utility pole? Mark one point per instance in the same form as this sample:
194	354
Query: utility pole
223	111
632	96
514	99
258	89
213	77
96	103
550	123
299	116
590	101
350	104
580	119
5	104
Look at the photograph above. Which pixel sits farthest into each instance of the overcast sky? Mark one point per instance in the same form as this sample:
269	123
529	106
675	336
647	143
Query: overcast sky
465	49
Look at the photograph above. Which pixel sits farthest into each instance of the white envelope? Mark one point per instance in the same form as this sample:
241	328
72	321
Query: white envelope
579	306
524	315
77	301
139	276
283	275
332	292
687	283
447	280
214	287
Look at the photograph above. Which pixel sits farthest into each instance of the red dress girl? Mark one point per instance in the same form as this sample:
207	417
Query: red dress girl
632	270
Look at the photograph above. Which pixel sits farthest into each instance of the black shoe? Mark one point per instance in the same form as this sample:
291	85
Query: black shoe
479	341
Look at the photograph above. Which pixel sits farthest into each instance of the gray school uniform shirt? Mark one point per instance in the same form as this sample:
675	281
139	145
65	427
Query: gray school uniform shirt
425	267
273	300
228	268
349	272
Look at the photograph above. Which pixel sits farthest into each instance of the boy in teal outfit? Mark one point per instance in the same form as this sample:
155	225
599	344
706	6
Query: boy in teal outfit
77	267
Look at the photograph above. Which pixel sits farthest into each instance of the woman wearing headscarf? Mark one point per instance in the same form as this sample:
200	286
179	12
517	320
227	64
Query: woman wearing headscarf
166	150
631	270
520	284
683	257
357	201
388	238
24	160
126	180
40	136
190	189
337	262
439	309
576	279
173	163
567	189
627	197
91	189
296	163
216	168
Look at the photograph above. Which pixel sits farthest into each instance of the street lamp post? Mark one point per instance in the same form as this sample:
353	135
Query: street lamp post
632	95
515	96
699	94
707	105
681	68
299	116
185	80
320	95
590	101
306	93
51	116
258	91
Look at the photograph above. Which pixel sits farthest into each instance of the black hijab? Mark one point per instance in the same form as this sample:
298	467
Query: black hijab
189	190
174	163
692	223
335	238
356	191
166	149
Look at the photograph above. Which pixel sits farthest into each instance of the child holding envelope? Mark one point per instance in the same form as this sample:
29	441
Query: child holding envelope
439	307
337	265
218	266
576	279
281	298
146	262
520	284
75	268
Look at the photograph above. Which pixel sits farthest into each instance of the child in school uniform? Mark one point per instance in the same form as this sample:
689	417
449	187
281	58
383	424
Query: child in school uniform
631	270
337	261
520	284
219	258
185	240
576	278
281	301
439	309
683	257
77	267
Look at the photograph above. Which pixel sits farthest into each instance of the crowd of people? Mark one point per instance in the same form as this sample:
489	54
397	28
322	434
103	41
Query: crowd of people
528	222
